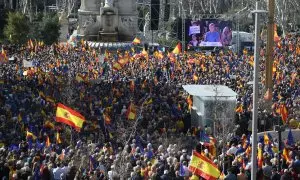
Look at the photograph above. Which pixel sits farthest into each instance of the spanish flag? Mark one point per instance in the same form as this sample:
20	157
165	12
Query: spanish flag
68	116
195	77
48	143
155	81
190	102
117	66
204	167
131	112
50	100
283	112
30	135
149	101
58	140
136	41
145	54
177	49
239	109
49	125
266	139
4	54
259	157
276	37
106	118
132	85
285	154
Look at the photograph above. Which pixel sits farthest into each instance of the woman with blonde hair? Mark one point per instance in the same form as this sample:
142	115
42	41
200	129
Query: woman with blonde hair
226	36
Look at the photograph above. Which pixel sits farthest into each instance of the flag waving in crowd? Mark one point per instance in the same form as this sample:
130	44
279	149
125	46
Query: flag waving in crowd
204	167
69	116
128	104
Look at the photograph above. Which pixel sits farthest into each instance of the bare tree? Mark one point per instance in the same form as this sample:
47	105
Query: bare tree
223	118
127	134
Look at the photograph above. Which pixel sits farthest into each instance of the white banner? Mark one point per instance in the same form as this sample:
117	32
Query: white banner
27	63
194	30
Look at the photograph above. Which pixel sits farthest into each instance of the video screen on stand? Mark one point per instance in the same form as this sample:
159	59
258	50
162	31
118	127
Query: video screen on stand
209	33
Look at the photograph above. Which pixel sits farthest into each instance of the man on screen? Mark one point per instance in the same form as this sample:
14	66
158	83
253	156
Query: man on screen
212	35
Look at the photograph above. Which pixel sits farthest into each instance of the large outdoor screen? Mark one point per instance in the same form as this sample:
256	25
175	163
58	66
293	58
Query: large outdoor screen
209	33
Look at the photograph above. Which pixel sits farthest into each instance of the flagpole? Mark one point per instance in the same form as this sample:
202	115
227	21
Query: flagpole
255	93
71	139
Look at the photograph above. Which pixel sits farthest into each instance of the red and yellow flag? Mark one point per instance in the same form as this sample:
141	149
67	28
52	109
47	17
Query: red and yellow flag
106	118
49	125
283	112
260	157
70	117
132	85
48	143
285	154
30	135
58	140
204	167
131	112
190	102
177	49
239	109
136	41
117	66
266	139
3	53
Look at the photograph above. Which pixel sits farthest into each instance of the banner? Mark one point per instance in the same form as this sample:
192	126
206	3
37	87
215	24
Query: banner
28	63
194	30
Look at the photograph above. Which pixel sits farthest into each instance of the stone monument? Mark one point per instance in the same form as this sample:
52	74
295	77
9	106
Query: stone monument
107	21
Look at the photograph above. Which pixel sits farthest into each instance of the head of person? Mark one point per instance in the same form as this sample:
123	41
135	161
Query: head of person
226	30
194	37
212	27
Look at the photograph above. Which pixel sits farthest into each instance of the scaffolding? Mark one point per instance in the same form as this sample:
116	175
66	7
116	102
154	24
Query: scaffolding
165	26
176	23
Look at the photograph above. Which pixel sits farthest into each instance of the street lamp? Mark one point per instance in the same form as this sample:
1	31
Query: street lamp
257	12
279	129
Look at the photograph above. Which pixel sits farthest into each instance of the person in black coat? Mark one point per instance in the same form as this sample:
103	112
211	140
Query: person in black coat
4	170
275	174
165	176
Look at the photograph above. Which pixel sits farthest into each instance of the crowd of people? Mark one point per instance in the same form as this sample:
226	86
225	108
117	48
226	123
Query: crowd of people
158	142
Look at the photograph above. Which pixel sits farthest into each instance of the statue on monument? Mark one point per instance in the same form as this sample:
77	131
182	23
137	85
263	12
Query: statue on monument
107	23
147	24
108	17
109	3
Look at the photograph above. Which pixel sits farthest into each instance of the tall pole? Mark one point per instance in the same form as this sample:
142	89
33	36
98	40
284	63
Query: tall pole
270	44
255	93
238	33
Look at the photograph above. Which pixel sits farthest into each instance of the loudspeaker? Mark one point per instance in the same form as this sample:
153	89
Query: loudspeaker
167	10
154	20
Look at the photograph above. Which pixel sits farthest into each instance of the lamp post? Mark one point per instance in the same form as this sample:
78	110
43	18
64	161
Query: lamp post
257	12
279	129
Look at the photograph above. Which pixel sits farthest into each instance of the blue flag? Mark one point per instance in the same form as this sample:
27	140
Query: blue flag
13	147
139	144
261	139
204	137
290	140
30	143
181	170
93	163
